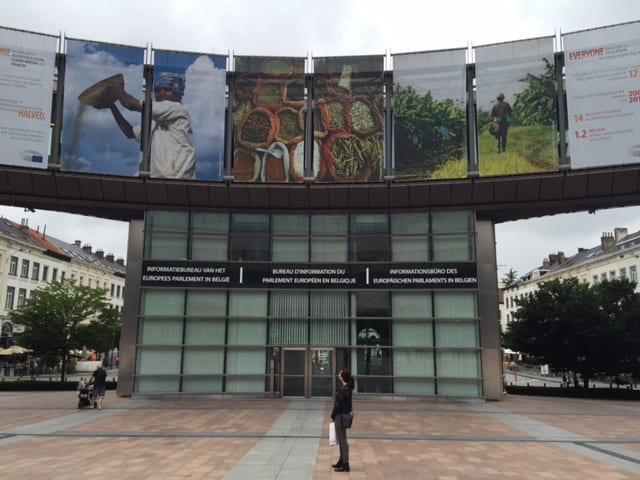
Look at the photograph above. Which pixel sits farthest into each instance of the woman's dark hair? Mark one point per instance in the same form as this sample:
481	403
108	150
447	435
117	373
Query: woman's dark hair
348	378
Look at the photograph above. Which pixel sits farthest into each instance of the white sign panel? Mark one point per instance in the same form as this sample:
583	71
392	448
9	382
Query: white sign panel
27	63
603	95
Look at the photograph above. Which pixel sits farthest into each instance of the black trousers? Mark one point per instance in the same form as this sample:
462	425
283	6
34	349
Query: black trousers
341	436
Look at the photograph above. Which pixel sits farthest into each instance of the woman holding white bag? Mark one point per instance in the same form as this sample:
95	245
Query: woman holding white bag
342	406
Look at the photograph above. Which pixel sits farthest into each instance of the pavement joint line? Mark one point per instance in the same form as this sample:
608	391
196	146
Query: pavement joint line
572	442
606	451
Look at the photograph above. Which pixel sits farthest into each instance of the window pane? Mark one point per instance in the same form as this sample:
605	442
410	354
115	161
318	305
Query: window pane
202	385
206	303
208	247
329	224
204	331
167	221
328	313
410	249
246	362
157	384
370	248
249	237
453	248
412	334
247	304
160	331
209	222
290	249
459	389
159	361
455	305
166	246
201	361
411	305
247	331
456	334
369	224
329	249
410	224
162	302
290	224
449	222
458	364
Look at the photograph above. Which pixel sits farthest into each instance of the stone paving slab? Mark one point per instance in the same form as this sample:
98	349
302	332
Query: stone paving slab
44	436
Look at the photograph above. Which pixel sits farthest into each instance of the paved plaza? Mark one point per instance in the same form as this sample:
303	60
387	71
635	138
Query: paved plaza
45	436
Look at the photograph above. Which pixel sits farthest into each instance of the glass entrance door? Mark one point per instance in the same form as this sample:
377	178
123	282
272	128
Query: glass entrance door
308	372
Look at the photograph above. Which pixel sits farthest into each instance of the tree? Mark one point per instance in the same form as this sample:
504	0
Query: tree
577	327
63	317
509	278
536	105
428	132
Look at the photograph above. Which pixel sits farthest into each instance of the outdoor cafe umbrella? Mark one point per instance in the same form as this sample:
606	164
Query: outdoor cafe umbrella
14	350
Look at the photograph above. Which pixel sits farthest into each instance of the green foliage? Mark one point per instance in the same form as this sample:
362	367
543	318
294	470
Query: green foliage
509	278
530	149
428	133
536	105
577	327
63	317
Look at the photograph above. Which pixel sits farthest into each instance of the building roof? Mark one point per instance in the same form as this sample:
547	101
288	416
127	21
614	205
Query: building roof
620	242
57	248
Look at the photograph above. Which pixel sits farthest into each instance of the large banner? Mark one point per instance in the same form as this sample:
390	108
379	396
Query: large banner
348	123
27	65
268	104
188	114
603	95
429	115
100	134
516	108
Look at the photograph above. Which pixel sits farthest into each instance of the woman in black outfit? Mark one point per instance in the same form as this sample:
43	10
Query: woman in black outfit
342	405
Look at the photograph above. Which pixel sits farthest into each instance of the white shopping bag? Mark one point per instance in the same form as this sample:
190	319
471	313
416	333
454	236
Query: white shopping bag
332	434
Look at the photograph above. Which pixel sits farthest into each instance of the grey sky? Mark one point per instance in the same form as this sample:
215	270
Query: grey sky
329	28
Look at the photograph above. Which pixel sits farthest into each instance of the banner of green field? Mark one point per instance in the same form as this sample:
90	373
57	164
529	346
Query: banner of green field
516	108
429	115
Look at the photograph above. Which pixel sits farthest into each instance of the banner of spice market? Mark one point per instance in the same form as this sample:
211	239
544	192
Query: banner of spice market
516	108
430	115
347	119
269	120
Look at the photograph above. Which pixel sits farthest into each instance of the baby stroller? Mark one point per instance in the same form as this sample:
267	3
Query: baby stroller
85	396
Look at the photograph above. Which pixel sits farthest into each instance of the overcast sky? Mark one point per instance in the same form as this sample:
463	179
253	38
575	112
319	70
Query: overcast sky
329	28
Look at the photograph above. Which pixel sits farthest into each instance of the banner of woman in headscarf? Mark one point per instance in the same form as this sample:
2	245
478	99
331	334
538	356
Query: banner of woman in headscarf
516	107
269	120
603	95
96	74
27	65
348	122
429	115
186	138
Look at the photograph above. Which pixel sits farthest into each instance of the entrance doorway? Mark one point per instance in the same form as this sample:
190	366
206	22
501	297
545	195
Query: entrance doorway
308	372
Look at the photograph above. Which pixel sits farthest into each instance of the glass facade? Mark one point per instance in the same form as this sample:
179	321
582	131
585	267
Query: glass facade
397	340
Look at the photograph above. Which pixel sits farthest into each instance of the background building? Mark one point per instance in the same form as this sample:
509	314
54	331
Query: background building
616	257
29	259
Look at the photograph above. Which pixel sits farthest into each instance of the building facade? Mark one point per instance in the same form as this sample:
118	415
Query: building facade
30	259
616	257
274	304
